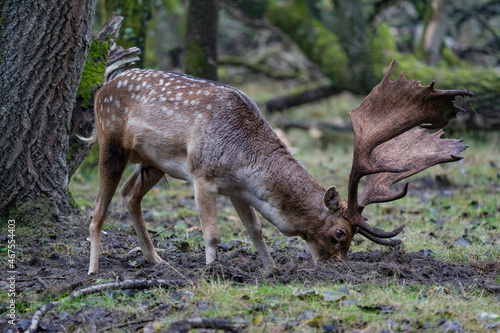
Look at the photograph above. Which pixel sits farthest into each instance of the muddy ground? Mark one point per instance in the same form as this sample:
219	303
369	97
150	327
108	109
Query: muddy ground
237	263
46	271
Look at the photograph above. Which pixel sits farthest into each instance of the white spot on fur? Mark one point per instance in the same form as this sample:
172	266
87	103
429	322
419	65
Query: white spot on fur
107	109
209	107
130	87
178	96
117	103
161	82
119	84
186	102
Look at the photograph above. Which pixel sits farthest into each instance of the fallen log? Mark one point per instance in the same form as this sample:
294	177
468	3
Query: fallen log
307	96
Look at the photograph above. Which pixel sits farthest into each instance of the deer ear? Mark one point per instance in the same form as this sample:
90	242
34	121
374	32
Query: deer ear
332	199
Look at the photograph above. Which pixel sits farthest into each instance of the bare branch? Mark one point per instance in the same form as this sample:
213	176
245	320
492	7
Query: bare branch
127	284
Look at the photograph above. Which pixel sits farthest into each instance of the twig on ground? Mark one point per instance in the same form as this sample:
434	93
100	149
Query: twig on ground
42	283
185	325
127	284
153	236
129	323
46	278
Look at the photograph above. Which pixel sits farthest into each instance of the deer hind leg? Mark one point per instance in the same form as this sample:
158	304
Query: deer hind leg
205	196
112	162
254	228
133	190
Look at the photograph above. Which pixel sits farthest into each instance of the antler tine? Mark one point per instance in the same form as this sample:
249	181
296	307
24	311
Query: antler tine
387	150
386	242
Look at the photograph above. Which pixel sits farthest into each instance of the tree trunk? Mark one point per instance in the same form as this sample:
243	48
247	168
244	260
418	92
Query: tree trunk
42	53
201	39
435	30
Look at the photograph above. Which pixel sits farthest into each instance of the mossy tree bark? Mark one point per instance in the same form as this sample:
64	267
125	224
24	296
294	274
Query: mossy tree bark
201	39
42	52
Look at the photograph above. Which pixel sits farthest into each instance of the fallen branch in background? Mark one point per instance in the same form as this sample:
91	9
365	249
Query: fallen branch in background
256	66
127	284
307	96
286	124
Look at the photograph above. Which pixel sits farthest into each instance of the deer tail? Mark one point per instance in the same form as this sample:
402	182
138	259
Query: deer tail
92	139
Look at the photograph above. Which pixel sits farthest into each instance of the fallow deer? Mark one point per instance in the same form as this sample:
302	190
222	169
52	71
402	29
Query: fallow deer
215	137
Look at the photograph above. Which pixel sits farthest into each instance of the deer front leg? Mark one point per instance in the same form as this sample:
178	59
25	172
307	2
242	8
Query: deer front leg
133	190
205	195
254	228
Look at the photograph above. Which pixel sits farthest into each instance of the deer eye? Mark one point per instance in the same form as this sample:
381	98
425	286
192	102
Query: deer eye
340	233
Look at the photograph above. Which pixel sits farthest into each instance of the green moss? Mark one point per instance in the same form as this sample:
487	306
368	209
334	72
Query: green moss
31	211
71	151
383	48
450	58
72	200
314	39
93	71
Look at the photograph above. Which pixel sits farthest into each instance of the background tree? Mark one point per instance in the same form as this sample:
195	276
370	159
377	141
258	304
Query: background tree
201	39
42	54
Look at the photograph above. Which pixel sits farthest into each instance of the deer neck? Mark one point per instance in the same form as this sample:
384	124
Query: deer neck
288	196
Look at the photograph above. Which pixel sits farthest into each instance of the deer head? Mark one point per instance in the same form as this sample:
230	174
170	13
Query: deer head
388	148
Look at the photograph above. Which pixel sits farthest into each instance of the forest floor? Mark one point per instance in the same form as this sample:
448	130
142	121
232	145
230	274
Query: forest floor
444	278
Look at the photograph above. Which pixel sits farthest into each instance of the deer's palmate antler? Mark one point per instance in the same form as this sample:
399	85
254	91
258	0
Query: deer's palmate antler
388	149
215	137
